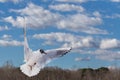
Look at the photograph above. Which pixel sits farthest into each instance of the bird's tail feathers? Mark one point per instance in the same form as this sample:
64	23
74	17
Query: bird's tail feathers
29	70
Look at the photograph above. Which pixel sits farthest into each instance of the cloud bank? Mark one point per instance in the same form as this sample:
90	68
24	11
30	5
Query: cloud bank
2	28
38	17
14	1
10	43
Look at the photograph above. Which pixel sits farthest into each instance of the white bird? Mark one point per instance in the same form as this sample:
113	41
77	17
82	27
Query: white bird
36	60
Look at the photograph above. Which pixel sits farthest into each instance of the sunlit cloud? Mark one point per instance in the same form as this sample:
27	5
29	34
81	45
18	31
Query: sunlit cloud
6	37
115	0
80	1
113	16
2	28
38	17
14	1
83	59
71	40
10	43
67	7
108	55
109	43
19	21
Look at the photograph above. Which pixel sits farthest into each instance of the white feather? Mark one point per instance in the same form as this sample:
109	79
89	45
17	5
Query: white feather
35	61
40	60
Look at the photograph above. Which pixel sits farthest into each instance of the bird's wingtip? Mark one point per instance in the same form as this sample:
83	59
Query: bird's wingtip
70	48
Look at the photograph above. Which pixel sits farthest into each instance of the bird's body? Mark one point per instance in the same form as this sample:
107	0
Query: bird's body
36	60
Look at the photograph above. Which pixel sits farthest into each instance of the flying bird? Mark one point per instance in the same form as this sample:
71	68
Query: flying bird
36	60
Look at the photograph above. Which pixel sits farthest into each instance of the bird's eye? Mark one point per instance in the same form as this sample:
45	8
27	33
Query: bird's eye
41	50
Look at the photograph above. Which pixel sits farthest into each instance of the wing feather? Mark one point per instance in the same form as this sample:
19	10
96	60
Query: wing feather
52	54
27	50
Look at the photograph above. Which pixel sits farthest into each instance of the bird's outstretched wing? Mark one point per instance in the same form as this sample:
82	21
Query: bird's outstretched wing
27	50
52	54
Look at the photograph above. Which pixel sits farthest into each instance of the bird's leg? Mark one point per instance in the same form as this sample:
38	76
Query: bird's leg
32	66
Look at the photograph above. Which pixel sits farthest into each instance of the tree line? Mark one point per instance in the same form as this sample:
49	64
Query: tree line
9	72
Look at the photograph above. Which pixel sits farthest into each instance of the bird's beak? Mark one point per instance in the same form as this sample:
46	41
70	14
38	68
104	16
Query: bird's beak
45	53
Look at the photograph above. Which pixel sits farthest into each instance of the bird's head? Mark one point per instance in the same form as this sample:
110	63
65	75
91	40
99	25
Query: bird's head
42	51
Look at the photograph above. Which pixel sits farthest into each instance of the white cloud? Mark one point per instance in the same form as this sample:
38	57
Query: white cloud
60	37
78	59
113	16
38	17
109	44
1	12
77	42
109	55
4	28
6	40
3	1
97	14
81	1
105	54
19	21
14	1
67	7
115	0
81	23
10	43
83	59
6	37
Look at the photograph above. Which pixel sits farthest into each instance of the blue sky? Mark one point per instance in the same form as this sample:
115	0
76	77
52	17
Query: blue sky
91	27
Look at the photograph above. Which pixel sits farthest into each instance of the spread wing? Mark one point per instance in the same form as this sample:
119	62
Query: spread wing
52	54
55	53
27	50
